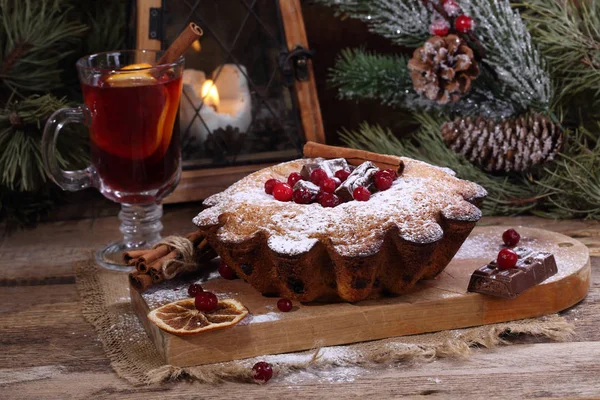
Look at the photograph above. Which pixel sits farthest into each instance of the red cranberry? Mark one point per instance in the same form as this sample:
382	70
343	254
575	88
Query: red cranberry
391	172
270	185
226	271
328	185
194	289
463	23
262	371
319	196
206	301
383	180
361	194
511	237
302	196
439	27
342	174
329	200
317	175
293	178
283	192
284	305
507	259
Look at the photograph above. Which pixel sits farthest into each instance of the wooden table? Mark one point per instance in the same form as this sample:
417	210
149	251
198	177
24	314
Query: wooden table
48	350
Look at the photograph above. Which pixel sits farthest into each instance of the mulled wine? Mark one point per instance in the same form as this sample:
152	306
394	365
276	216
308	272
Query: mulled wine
134	148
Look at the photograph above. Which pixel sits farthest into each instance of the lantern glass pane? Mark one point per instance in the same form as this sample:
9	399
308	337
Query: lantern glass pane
235	108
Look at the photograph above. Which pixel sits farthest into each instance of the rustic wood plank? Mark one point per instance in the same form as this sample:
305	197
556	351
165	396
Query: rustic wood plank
539	370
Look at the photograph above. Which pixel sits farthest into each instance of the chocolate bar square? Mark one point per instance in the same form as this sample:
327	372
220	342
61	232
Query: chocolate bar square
532	268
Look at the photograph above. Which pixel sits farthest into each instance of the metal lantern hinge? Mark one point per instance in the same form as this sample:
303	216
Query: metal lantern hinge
294	65
155	24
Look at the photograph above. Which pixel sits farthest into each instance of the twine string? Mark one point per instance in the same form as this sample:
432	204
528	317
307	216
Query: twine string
184	263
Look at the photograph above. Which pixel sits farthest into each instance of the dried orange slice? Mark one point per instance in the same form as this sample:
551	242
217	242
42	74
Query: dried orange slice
182	317
133	78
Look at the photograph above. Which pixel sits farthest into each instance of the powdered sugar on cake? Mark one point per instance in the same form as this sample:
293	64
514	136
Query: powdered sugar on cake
415	203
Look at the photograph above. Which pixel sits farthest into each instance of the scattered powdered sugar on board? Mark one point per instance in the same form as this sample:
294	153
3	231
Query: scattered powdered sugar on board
268	317
414	204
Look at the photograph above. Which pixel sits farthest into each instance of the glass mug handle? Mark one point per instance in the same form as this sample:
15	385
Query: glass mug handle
67	180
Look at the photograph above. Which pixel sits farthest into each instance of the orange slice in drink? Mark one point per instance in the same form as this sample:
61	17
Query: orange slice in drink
182	318
138	76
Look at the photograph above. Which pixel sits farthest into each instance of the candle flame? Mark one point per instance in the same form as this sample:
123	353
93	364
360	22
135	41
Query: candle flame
210	94
196	45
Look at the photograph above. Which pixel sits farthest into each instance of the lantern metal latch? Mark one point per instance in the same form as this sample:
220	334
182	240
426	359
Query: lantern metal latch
294	65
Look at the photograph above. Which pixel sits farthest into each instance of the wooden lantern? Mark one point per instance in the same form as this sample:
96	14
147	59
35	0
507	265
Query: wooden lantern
217	144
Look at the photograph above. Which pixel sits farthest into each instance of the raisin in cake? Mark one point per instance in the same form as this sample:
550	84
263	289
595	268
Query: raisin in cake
353	251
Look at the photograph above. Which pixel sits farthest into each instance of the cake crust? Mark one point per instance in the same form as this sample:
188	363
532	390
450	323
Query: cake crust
354	251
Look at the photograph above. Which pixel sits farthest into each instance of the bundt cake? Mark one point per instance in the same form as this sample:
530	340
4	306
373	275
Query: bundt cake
348	249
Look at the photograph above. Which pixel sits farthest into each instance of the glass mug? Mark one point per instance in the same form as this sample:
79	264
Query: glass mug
131	113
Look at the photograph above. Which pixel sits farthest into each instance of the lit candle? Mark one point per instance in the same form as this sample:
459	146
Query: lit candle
227	101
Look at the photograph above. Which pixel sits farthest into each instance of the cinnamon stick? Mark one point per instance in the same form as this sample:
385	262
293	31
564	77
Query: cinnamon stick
140	282
151	256
133	255
195	237
185	39
353	156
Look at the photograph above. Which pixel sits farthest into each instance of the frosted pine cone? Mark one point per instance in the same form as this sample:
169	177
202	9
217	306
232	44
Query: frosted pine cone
442	70
511	145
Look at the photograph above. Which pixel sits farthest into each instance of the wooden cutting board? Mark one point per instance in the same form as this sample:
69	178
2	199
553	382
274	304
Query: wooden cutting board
433	305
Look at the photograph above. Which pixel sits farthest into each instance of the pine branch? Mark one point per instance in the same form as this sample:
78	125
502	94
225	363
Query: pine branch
362	75
404	22
48	33
519	65
21	166
569	35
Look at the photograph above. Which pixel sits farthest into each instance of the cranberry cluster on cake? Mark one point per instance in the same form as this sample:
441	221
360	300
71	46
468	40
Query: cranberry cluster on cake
316	229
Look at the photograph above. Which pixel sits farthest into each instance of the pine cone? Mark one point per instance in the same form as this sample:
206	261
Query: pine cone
224	141
442	70
511	145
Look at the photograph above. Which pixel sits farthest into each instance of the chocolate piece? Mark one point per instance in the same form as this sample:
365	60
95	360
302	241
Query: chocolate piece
311	187
329	166
307	169
361	176
532	268
334	165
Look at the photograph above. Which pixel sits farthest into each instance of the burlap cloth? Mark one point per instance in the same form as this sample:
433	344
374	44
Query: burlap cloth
106	305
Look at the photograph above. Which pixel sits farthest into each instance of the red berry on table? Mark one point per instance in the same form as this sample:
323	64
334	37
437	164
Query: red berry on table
302	196
511	237
361	194
383	180
226	271
328	185
439	27
262	371
270	184
206	301
342	174
284	305
507	259
194	289
464	23
283	192
451	7
317	175
293	178
329	200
